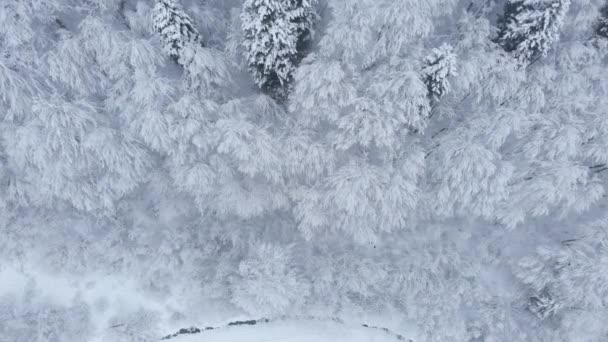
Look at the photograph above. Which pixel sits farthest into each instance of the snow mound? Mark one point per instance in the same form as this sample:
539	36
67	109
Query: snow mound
293	331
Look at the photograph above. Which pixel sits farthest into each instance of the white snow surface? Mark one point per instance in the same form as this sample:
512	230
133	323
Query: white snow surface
291	331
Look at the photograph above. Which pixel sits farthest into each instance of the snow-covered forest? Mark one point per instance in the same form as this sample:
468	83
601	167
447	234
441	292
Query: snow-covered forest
438	168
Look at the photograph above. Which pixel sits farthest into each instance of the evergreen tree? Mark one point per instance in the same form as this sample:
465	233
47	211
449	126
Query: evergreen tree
509	17
601	26
175	27
275	35
303	14
528	28
440	65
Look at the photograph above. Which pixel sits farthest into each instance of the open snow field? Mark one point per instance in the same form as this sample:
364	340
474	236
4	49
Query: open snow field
292	331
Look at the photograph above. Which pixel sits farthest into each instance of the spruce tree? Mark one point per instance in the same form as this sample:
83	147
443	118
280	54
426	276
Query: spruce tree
440	65
303	15
509	16
175	27
275	34
601	26
528	28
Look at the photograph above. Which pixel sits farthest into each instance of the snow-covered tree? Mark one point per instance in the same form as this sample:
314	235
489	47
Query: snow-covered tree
276	32
267	284
601	26
568	281
31	317
175	28
439	66
529	28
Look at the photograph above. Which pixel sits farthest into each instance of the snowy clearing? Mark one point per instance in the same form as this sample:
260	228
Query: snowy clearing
292	331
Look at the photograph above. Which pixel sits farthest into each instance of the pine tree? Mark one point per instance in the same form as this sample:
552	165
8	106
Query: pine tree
601	26
528	28
275	34
440	65
175	27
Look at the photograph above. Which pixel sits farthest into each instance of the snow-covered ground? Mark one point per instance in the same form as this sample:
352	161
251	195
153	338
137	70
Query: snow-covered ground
292	331
227	325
